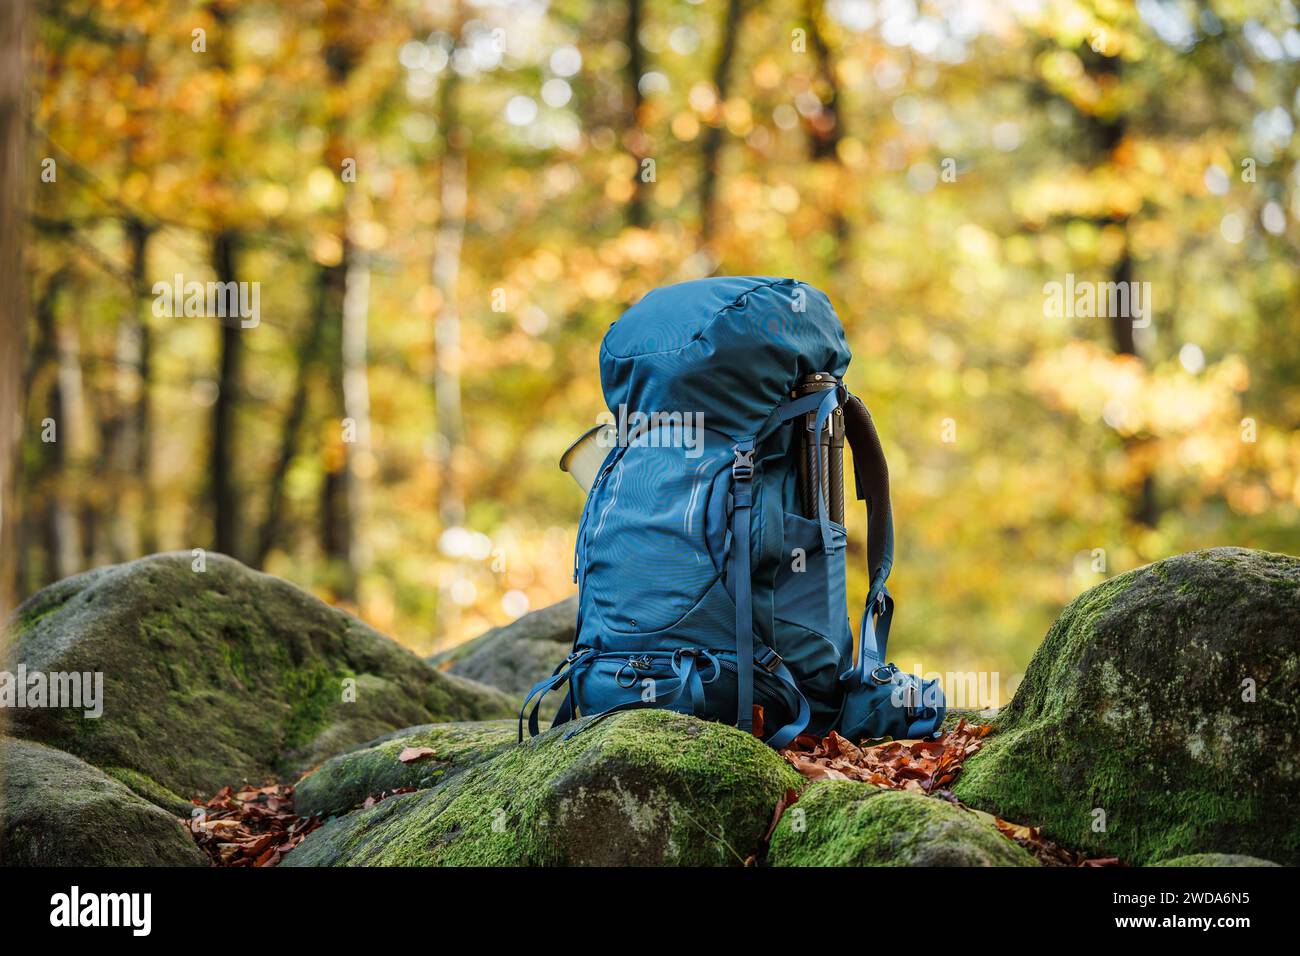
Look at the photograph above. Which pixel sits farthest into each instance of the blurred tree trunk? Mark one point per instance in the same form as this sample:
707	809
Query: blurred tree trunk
356	405
305	357
711	149
223	461
221	464
453	198
13	312
77	535
54	374
1107	132
338	523
130	521
826	129
333	518
635	137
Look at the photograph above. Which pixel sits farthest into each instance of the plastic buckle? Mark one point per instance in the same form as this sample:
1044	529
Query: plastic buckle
742	468
768	659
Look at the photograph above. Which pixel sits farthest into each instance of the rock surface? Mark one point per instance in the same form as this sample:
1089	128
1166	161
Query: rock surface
844	823
220	676
642	788
1215	859
60	811
151	790
516	656
1167	699
343	782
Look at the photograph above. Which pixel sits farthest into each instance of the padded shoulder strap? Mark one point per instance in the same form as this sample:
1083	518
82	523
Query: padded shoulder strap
871	472
872	475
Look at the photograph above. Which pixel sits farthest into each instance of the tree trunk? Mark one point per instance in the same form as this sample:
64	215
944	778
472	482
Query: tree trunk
129	441
635	138
356	405
307	354
338	522
55	373
334	520
711	150
1108	134
139	237
826	129
13	313
221	464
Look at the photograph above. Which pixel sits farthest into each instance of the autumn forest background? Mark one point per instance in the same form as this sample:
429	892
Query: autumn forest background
445	204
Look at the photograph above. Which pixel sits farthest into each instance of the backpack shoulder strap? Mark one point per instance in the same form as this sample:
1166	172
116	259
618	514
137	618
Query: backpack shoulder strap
871	473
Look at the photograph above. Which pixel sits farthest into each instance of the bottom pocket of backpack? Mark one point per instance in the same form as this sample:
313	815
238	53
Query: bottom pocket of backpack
653	679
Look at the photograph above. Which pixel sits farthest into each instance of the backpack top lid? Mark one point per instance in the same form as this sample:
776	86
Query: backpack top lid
730	348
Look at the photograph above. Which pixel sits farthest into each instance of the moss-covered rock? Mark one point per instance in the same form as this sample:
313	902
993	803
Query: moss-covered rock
643	788
151	790
516	656
56	810
843	823
1166	699
344	782
1215	859
224	675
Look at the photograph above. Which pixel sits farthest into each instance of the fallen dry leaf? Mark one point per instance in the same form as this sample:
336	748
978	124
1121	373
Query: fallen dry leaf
254	826
788	799
921	766
412	754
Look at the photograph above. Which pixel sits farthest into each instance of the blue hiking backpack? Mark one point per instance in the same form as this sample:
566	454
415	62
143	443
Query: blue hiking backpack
703	589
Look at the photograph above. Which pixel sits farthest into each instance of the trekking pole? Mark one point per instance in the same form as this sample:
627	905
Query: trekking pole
828	482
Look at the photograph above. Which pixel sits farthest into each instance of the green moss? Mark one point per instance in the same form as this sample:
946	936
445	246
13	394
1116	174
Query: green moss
151	790
1130	736
1215	860
843	823
33	617
224	676
345	781
644	788
311	693
60	811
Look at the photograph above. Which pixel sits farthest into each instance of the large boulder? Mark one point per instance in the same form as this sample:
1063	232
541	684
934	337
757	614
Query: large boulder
56	810
1159	716
345	781
1204	860
223	675
516	656
845	823
642	788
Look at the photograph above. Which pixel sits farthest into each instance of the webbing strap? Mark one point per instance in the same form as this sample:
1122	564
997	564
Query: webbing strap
873	640
742	475
685	665
559	677
785	736
794	407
